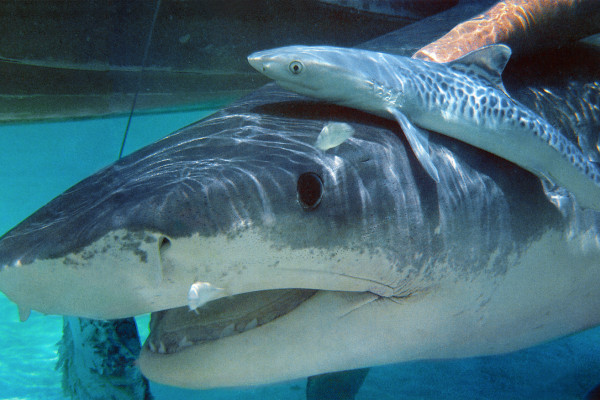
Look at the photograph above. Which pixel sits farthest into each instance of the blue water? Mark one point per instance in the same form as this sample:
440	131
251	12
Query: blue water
41	160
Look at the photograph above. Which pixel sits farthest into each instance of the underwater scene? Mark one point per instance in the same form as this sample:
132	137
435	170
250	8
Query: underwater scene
324	199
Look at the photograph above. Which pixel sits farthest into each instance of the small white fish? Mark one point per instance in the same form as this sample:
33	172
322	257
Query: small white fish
201	293
333	134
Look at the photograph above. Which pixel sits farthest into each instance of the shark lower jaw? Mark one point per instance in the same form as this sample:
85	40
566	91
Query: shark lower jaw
176	329
255	338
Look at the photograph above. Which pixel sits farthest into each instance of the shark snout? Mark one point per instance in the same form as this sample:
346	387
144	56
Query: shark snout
271	64
116	276
256	61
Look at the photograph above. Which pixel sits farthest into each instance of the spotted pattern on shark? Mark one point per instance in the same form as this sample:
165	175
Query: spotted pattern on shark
464	99
485	105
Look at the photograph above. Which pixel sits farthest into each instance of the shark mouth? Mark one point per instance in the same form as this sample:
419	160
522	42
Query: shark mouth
175	329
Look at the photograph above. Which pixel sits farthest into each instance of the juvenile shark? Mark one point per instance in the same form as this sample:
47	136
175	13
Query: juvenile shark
464	99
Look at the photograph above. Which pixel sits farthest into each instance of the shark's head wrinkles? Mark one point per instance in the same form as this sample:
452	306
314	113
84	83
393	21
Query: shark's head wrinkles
243	202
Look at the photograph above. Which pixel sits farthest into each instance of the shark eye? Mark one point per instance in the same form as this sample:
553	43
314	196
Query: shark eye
296	67
310	190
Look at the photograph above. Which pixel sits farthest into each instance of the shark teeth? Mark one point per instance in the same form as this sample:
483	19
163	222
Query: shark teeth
24	313
228	331
161	348
175	329
251	325
184	342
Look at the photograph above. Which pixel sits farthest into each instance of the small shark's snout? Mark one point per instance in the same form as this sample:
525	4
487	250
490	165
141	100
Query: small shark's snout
255	61
275	64
286	67
258	62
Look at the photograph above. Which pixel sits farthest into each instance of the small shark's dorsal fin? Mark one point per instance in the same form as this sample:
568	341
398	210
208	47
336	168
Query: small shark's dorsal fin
487	62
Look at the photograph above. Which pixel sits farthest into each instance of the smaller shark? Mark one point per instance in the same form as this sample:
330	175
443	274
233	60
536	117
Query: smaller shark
464	99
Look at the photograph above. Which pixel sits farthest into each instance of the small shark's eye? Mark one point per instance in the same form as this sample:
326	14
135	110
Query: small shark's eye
310	190
296	67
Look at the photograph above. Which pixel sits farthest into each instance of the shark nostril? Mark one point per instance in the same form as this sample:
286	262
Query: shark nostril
163	243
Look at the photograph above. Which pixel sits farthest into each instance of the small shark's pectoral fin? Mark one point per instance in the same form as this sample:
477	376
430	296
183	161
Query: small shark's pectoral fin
487	62
419	142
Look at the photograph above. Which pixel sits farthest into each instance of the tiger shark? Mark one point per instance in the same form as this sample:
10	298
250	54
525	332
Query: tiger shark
264	257
464	99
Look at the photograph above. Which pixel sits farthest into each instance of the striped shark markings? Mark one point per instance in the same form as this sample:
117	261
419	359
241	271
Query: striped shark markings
464	99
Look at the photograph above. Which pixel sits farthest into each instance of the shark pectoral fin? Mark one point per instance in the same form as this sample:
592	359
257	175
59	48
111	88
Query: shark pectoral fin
342	385
419	142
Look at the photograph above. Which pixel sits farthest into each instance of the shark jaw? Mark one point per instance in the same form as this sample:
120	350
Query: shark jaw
265	337
330	312
245	341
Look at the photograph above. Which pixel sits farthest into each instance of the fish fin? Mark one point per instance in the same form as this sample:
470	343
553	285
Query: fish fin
419	142
341	385
487	62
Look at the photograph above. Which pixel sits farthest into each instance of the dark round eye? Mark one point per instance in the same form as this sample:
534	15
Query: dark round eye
296	67
310	190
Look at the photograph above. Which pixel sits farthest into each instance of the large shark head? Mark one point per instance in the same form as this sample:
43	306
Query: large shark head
299	261
244	207
240	203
